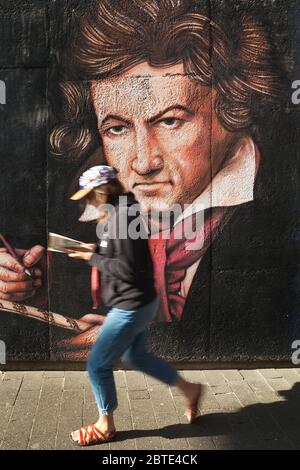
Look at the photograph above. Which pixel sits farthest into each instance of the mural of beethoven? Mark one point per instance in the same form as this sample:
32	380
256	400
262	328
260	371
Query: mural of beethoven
178	105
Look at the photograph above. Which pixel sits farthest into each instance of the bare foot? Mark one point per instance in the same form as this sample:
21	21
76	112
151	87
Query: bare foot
194	392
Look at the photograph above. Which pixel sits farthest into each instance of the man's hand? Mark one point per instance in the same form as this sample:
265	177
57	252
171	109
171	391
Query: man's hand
78	347
15	284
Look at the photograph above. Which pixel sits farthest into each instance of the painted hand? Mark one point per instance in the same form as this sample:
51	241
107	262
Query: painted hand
79	346
15	284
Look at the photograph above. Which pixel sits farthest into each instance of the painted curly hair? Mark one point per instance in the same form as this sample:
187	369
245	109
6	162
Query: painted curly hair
114	35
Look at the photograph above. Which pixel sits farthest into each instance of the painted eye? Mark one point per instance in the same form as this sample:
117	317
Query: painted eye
170	123
116	130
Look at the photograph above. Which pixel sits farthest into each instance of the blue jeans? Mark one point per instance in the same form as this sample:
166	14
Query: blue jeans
124	335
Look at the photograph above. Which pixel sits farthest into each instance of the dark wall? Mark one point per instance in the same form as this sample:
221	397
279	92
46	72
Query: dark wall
244	305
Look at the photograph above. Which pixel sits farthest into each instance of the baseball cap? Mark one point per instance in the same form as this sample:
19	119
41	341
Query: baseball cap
93	178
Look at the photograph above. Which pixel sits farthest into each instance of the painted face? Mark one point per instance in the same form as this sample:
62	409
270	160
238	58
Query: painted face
160	132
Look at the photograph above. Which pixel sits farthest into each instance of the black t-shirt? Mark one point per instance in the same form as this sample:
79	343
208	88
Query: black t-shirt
123	258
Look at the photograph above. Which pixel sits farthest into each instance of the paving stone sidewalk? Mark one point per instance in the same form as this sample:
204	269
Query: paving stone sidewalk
241	409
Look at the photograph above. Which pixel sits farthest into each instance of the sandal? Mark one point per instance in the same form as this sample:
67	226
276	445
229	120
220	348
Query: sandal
90	435
192	410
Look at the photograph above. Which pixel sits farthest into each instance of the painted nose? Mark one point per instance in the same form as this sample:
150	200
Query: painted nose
147	159
147	167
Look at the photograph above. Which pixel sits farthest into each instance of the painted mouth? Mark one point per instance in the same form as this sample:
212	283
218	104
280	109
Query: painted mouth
151	187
